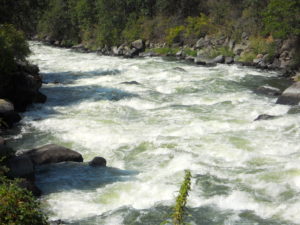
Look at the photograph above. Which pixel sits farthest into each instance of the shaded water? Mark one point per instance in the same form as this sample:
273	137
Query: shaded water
198	118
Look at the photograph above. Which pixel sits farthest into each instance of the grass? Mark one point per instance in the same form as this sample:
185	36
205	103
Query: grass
181	200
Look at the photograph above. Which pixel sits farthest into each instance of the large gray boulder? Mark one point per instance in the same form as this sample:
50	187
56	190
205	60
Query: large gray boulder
138	44
21	167
6	106
52	154
291	96
219	59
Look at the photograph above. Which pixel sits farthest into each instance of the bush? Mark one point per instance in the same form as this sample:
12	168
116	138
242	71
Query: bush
281	18
175	34
13	47
18	206
225	51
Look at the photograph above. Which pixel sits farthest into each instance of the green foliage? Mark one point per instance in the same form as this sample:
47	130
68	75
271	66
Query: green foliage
18	206
225	51
282	18
181	200
190	52
260	45
198	26
174	34
164	51
13	47
247	57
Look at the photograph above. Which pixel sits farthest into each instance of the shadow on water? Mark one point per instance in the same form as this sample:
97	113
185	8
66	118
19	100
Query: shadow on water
252	82
70	77
70	95
78	176
205	215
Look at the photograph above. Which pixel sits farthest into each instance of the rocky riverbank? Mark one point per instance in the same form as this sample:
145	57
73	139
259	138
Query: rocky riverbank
269	53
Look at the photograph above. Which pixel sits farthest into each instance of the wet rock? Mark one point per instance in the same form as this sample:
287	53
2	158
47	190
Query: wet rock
10	118
190	58
98	162
21	167
52	154
265	117
229	60
179	69
219	59
268	90
148	54
40	98
200	60
138	44
131	53
131	83
2	141
180	54
291	96
201	43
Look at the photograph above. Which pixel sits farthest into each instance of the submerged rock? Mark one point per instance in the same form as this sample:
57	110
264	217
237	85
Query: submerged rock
98	162
131	82
265	117
268	90
52	154
30	186
291	96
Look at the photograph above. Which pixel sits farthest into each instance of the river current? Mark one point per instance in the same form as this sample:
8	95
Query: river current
180	116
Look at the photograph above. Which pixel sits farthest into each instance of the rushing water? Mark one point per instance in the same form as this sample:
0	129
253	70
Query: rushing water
181	116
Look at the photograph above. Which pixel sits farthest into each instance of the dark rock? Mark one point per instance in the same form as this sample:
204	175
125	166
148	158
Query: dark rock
98	162
201	43
291	96
52	154
21	167
2	141
229	60
180	54
148	54
131	53
219	59
190	58
138	44
268	90
40	98
131	83
57	222
294	110
179	69
265	117
6	106
200	61
10	118
31	187
6	151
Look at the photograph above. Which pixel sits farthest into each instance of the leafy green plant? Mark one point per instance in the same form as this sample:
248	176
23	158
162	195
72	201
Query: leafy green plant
174	34
247	57
18	206
181	200
13	47
225	51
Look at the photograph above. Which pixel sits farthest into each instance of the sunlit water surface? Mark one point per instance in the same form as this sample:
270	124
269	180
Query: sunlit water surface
191	117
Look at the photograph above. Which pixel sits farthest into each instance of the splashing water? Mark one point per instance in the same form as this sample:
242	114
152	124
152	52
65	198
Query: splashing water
196	118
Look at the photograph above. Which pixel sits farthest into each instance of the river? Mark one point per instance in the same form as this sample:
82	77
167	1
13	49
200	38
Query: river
180	116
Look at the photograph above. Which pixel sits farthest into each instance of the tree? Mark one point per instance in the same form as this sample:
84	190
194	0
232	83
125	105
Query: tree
282	18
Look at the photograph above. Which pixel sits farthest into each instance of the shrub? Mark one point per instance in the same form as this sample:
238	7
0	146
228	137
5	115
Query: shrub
248	57
18	206
225	51
174	35
281	18
181	200
13	47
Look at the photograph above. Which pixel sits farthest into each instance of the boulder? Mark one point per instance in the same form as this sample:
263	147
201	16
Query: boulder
291	96
200	60
219	59
5	151
201	43
6	106
190	58
138	44
52	154
265	117
10	118
21	167
98	162
131	53
268	90
229	60
2	141
40	98
180	54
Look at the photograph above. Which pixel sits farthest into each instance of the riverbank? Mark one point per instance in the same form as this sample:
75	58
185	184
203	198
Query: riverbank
257	52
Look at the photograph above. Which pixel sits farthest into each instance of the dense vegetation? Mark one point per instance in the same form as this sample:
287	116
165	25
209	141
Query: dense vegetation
99	22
